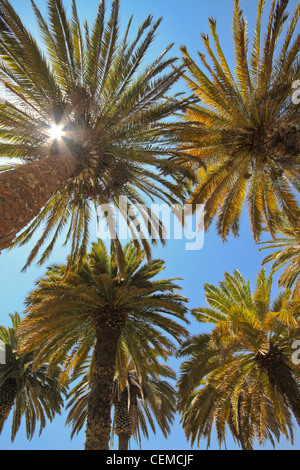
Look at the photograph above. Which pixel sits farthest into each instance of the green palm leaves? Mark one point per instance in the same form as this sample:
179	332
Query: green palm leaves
105	318
113	111
63	313
235	375
246	131
141	399
29	392
90	311
285	253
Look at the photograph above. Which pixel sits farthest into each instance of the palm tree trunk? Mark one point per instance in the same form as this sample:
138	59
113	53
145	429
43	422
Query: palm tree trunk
25	190
281	377
8	393
123	441
123	418
99	407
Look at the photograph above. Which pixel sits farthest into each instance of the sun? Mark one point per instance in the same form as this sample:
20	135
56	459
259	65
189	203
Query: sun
56	132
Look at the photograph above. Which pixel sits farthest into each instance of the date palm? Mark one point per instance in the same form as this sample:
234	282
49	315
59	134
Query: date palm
31	393
241	374
87	118
246	130
140	399
125	407
91	310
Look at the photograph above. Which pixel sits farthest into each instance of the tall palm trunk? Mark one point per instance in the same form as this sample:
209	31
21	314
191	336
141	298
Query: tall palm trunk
25	190
123	419
124	439
281	377
99	407
8	393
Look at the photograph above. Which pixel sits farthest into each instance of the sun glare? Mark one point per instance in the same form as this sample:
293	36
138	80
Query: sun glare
56	132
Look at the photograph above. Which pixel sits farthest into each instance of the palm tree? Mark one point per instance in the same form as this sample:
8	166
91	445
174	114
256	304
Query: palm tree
139	400
92	309
285	253
87	120
241	373
32	393
141	397
125	407
247	130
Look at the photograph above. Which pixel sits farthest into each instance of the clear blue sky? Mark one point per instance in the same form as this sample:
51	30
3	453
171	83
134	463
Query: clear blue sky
183	22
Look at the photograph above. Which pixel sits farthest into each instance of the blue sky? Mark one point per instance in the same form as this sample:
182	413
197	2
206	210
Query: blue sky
182	24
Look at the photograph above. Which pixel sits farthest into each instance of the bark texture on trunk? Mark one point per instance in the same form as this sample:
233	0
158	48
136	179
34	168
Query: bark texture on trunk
8	393
123	441
25	191
281	377
123	419
99	407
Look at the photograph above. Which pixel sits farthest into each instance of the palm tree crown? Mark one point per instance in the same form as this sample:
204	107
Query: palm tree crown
32	393
241	374
247	130
109	109
92	309
63	313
